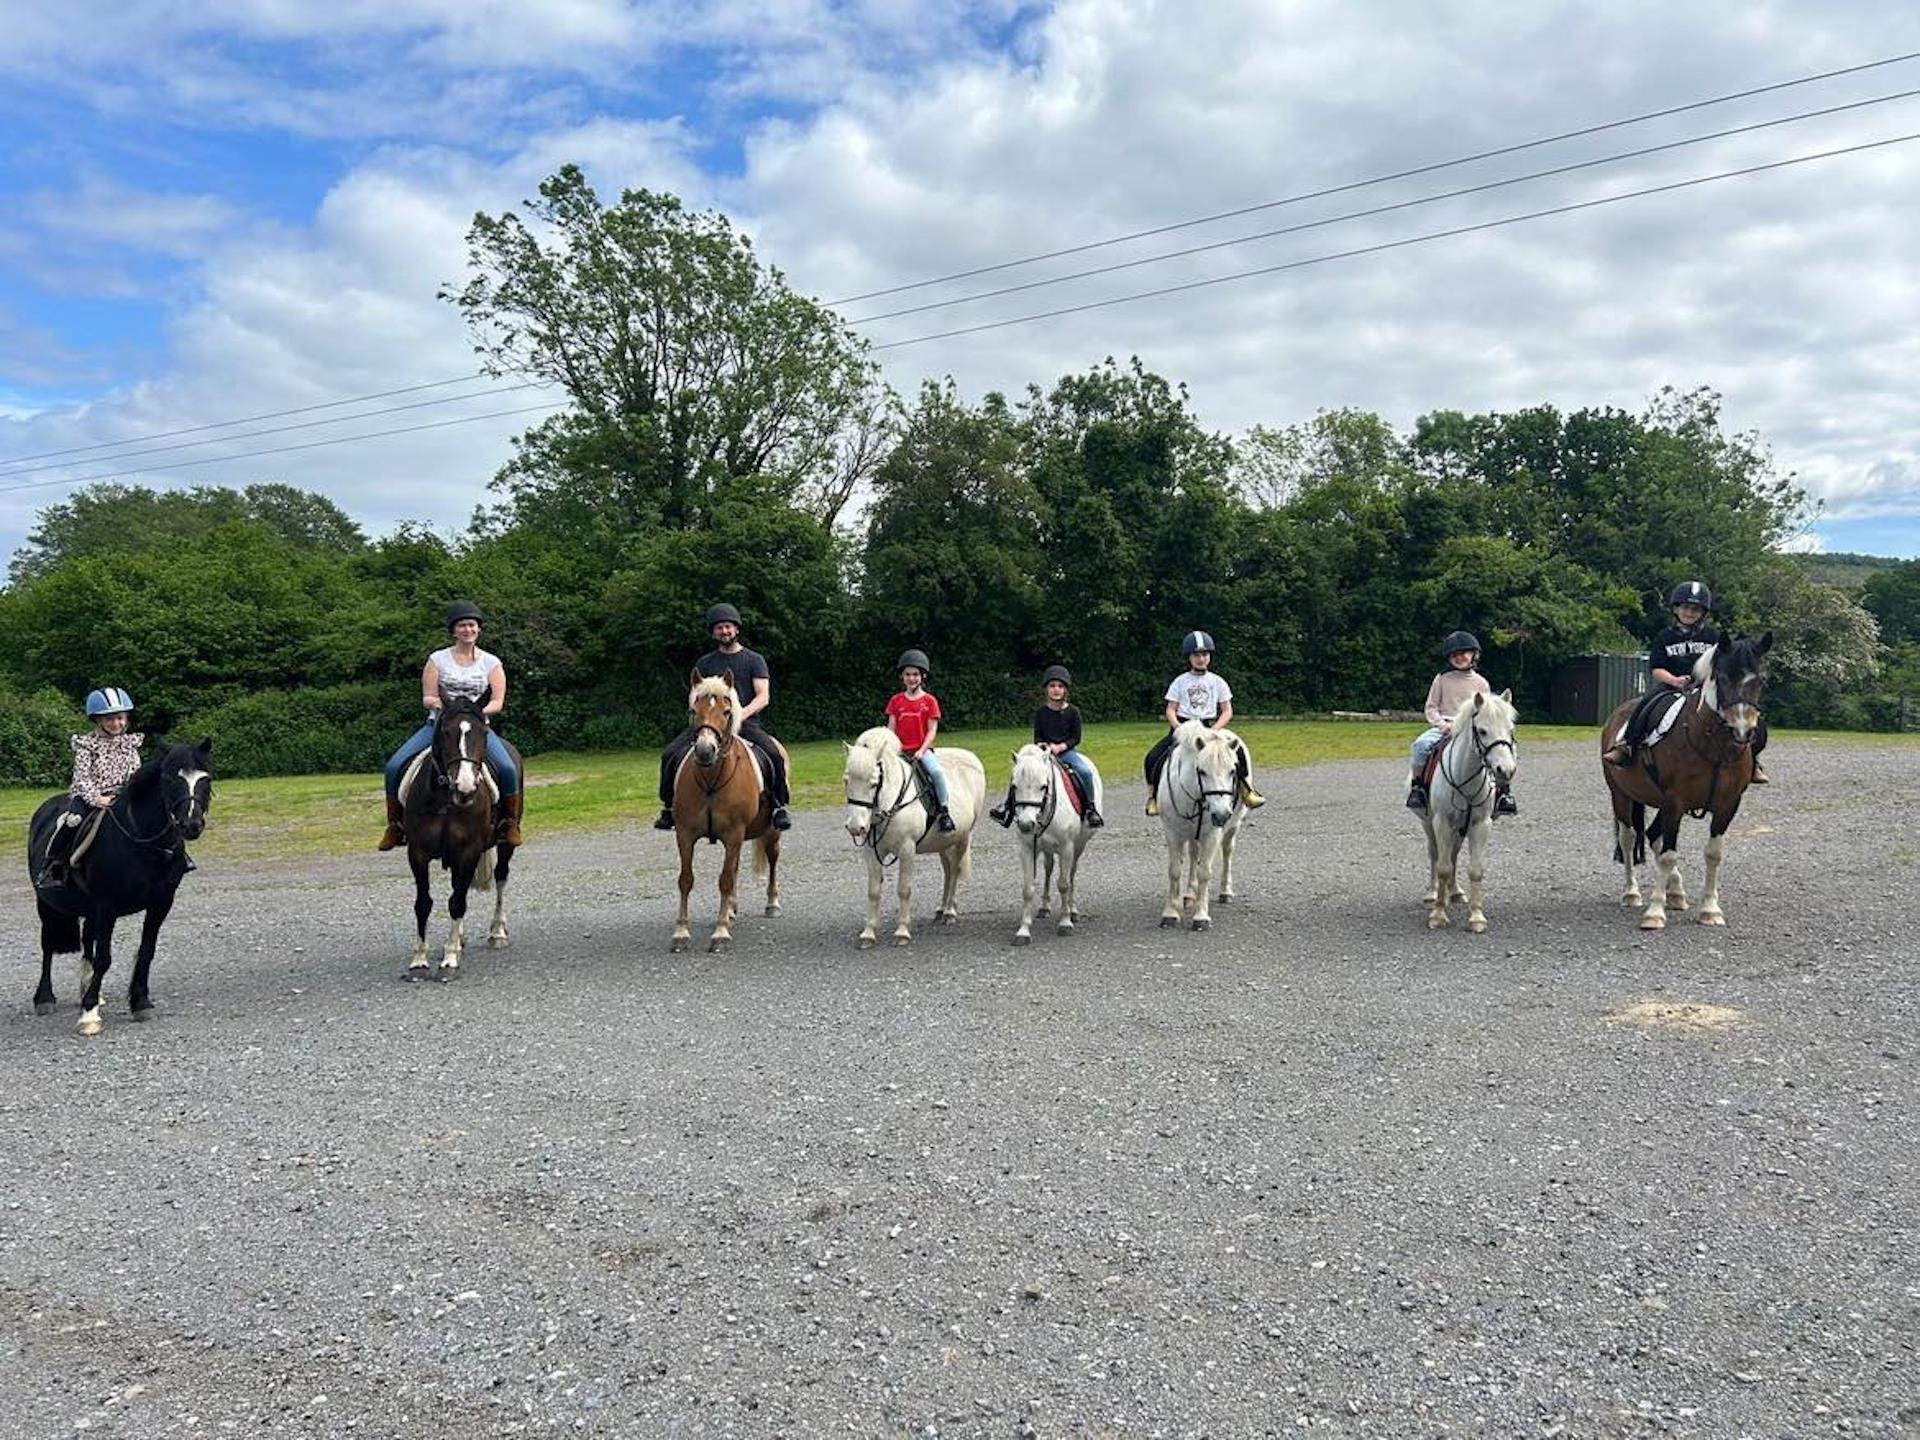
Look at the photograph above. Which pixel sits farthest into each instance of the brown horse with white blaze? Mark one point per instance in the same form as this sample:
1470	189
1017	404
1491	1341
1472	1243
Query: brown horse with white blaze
450	815
1701	766
720	796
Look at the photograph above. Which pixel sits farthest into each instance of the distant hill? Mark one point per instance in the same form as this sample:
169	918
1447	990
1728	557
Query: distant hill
1845	571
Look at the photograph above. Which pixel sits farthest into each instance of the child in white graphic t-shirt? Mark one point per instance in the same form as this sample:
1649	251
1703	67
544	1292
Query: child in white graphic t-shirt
1201	695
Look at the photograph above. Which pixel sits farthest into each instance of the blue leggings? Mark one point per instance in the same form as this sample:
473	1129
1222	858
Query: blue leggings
498	756
932	767
1423	747
1082	769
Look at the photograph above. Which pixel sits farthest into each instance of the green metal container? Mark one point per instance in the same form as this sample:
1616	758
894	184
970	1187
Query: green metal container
1588	687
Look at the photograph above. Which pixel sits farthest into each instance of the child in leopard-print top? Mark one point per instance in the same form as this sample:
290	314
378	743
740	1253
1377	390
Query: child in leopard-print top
104	759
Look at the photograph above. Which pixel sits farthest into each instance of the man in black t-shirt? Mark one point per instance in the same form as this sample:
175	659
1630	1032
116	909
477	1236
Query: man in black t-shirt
1670	662
747	669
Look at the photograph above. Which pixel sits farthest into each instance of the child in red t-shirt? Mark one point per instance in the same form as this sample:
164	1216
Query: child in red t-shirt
914	716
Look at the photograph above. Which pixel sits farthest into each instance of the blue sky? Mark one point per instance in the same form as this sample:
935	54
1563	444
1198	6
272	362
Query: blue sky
215	208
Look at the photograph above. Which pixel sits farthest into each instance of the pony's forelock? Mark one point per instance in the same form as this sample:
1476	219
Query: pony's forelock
716	687
1703	667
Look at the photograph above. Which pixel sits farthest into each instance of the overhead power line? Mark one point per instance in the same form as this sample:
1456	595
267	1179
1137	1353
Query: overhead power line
1400	244
270	430
281	449
241	420
1381	179
1480	189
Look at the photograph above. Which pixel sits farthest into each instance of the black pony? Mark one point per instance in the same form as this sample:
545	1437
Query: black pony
135	863
450	816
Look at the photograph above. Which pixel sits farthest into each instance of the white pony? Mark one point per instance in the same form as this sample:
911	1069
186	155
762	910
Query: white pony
1200	811
1478	756
887	819
1046	824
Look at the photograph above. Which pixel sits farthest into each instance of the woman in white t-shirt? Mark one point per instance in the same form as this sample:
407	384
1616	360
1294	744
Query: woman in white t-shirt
460	669
1201	695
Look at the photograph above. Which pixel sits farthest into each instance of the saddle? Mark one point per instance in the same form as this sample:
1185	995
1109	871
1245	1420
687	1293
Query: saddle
419	763
1432	767
89	831
923	787
1653	717
1070	787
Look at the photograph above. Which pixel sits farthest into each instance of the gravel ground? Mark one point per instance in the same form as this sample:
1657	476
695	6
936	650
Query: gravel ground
1318	1170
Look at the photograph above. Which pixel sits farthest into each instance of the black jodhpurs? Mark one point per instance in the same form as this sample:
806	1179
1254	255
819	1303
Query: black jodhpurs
751	732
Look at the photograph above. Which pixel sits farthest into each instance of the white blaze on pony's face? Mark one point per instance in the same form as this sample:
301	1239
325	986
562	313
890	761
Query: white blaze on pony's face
466	777
193	818
1733	677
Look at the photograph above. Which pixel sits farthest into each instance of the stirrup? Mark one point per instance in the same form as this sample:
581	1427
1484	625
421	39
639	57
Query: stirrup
1417	798
780	820
664	820
1093	818
1001	816
945	822
1505	804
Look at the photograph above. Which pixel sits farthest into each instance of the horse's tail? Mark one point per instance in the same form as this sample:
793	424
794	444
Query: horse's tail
483	872
762	851
59	931
1639	838
966	859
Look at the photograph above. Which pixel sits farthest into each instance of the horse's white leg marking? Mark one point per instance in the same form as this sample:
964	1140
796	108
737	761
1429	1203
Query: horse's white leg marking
1205	849
1477	871
1446	862
903	895
1433	861
1227	837
1028	869
950	875
456	945
1046	882
1623	836
1069	869
1654	917
1710	912
1676	885
93	1021
1176	877
497	931
876	878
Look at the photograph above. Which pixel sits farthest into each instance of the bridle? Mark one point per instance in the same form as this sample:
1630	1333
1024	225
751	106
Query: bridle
176	821
1721	754
1483	792
883	818
1199	797
443	780
1048	804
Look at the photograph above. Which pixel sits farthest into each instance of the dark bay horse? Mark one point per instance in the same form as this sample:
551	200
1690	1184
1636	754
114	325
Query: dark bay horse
451	810
1701	766
135	863
720	796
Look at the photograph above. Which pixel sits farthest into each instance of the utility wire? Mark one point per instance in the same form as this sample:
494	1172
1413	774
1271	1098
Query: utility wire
280	449
1402	243
271	430
1382	209
242	420
1381	179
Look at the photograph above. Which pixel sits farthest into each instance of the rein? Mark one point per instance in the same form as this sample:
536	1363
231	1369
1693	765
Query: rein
1483	772
884	818
1200	798
1048	804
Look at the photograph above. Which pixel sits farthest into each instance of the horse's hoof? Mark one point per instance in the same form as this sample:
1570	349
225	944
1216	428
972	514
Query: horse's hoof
1065	927
947	917
1653	922
141	1014
448	974
1712	917
1224	898
1678	902
773	909
679	945
719	945
45	1007
1200	924
1436	922
867	942
91	1023
902	940
1169	922
1042	913
1632	900
1477	927
1023	940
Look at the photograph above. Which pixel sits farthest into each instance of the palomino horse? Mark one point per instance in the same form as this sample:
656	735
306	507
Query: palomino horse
888	819
450	813
1479	756
1046	825
1701	766
720	796
135	862
1200	811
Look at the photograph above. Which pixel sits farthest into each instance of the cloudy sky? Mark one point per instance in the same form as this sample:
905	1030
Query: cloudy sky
213	209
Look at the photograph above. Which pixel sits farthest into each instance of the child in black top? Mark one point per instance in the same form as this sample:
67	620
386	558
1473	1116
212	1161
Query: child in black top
1056	729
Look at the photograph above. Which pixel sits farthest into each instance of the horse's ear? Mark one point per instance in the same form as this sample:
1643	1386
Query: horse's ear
206	746
1015	754
1479	701
1766	642
1506	696
694	677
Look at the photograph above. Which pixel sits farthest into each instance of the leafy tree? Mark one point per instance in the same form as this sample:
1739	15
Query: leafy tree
1893	599
689	364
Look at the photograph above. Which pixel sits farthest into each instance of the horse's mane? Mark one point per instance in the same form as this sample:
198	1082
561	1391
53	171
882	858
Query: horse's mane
880	740
716	687
1703	667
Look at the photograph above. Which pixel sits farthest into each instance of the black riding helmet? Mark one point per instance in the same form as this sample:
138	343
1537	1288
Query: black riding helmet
1057	672
1196	641
463	610
914	660
722	614
1691	592
1456	642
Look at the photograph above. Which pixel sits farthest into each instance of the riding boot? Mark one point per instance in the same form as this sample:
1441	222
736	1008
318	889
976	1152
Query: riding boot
1250	797
1759	775
944	821
1093	818
780	820
507	828
1417	797
396	835
1503	801
1619	756
1153	801
1002	814
664	820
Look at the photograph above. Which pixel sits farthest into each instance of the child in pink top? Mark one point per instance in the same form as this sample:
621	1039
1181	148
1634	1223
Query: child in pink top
1451	689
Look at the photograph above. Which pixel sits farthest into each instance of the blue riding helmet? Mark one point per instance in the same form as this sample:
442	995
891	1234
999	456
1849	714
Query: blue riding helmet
108	700
1196	640
1459	640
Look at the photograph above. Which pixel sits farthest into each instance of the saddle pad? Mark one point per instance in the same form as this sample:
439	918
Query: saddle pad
1071	786
419	763
1433	764
1662	711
